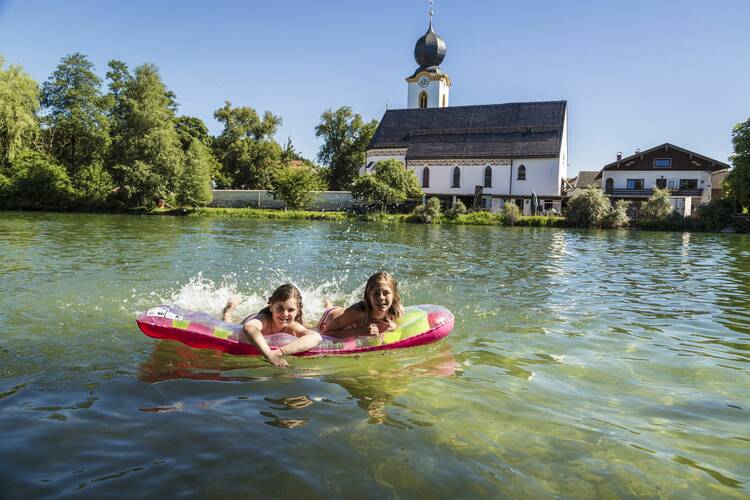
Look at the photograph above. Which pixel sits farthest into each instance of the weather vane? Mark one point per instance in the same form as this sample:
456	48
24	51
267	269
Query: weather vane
431	2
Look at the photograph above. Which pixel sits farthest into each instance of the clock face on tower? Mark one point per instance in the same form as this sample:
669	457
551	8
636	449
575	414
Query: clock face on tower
423	81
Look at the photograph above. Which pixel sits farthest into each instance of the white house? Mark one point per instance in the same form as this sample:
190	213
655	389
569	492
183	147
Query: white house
688	176
496	153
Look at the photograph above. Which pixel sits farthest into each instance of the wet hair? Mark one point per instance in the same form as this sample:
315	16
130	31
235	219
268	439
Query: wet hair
396	310
283	293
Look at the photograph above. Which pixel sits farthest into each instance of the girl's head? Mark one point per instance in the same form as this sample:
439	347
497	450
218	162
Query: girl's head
381	296
285	305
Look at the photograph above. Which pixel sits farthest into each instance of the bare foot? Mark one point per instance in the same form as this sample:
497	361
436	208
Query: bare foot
226	314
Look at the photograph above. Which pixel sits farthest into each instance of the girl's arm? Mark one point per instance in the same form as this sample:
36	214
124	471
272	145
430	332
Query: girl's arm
337	327
307	339
252	332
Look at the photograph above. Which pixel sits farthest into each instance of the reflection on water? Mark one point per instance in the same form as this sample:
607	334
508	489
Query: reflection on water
583	364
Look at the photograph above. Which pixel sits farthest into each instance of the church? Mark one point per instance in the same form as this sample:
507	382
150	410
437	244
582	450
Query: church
484	155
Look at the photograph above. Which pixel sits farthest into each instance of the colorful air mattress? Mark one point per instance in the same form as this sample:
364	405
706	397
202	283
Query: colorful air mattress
419	325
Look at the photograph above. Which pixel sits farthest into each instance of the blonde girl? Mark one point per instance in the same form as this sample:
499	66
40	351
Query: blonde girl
283	314
376	313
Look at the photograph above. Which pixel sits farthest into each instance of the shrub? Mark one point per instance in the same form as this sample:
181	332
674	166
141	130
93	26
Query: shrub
296	185
588	208
426	213
658	206
456	210
617	216
93	186
36	182
481	218
511	214
715	215
389	184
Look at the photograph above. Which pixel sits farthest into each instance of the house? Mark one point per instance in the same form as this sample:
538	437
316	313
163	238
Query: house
483	155
584	179
687	174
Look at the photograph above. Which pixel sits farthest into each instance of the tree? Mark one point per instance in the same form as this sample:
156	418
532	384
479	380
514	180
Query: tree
195	184
588	208
296	185
658	206
617	217
345	137
389	184
146	151
245	148
36	182
19	102
76	124
738	179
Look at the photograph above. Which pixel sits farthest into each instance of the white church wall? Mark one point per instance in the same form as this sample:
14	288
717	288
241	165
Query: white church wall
435	91
563	170
542	176
472	175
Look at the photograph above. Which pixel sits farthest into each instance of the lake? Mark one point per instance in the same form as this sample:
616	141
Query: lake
583	364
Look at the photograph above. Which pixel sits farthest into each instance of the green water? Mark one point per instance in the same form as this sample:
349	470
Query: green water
583	364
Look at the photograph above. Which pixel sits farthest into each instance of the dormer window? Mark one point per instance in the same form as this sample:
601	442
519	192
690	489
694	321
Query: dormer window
423	99
662	162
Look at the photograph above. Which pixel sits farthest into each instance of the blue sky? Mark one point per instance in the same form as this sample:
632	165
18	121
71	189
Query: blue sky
635	73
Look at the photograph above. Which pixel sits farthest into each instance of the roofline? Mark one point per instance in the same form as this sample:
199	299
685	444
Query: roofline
668	145
485	105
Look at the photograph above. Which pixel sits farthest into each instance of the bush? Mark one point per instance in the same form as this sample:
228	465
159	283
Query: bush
715	215
456	210
588	208
617	217
93	186
658	206
296	185
426	213
389	184
481	218
511	214
36	182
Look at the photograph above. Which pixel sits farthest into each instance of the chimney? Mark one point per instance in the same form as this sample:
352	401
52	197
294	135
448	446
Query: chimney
619	155
637	151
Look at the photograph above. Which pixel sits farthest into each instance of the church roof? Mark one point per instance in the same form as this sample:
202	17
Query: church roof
525	129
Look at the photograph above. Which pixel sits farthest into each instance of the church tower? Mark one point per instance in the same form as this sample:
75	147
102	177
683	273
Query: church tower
428	87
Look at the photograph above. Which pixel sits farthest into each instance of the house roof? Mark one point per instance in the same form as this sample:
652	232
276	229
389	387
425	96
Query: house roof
715	164
586	178
525	129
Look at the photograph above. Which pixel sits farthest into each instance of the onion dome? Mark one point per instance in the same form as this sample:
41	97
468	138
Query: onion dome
430	49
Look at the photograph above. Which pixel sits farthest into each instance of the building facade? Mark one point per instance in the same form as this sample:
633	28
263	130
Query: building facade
485	155
686	174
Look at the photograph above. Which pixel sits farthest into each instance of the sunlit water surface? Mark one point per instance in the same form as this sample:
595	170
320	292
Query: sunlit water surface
583	364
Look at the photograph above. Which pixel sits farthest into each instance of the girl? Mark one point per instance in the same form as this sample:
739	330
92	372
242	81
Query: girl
283	314
375	314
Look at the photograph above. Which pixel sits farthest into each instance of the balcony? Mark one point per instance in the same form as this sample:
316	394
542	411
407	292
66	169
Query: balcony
646	193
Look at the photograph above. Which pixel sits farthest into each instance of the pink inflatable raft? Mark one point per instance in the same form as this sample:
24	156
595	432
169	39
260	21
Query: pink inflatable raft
419	325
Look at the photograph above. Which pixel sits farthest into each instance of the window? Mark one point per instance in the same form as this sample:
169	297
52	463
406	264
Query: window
426	177
661	183
521	173
488	177
635	183
443	100
456	177
688	183
609	185
423	99
672	184
662	162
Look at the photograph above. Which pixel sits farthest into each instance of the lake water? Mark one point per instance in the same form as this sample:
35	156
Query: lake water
583	364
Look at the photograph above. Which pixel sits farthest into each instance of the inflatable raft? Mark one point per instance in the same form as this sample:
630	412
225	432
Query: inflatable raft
422	324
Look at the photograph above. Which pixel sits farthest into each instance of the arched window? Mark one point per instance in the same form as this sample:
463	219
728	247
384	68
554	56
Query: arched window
488	177
609	185
426	177
521	173
443	100
423	99
456	177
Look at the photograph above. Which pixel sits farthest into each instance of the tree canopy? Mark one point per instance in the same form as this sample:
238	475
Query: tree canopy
738	179
389	184
19	103
345	136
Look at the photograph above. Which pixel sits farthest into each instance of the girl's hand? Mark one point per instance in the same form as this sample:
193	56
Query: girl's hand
384	325
277	359
373	329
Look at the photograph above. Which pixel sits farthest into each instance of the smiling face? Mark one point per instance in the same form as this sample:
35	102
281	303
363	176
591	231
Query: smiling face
283	312
380	297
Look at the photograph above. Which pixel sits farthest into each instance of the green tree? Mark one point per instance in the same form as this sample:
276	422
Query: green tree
617	217
93	186
738	179
19	102
345	137
195	184
76	124
658	206
36	182
189	128
588	208
146	151
389	184
245	148
296	185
